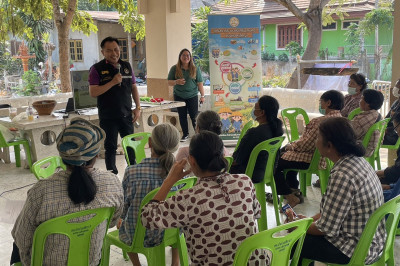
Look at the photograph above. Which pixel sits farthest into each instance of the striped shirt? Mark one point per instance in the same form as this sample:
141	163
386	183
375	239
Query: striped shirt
303	148
354	192
49	199
138	181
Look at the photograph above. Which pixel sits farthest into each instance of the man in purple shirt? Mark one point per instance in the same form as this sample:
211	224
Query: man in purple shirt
112	81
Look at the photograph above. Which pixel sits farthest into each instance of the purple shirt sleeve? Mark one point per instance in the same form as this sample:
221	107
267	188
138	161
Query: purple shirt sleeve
94	78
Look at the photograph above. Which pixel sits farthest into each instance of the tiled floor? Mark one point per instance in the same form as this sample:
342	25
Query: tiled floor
11	202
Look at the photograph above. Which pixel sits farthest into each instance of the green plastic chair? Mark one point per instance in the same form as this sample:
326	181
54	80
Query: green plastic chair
79	234
381	127
17	149
391	210
243	132
396	146
47	166
136	145
354	113
155	255
271	146
305	174
291	115
280	246
230	161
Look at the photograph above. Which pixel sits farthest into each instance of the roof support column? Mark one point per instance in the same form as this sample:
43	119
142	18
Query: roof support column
168	30
395	64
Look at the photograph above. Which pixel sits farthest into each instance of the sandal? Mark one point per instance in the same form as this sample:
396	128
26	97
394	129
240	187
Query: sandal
298	194
269	198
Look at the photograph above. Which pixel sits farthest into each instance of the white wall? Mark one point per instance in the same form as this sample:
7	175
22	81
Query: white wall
91	50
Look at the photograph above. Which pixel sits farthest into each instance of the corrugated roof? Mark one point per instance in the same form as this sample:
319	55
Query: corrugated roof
271	11
109	16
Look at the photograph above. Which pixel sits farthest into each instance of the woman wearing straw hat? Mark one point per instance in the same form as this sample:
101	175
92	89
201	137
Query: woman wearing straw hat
79	188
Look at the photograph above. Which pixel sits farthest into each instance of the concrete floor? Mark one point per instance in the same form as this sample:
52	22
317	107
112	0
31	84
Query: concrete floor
15	182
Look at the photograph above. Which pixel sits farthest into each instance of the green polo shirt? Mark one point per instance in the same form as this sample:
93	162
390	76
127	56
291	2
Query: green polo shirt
189	90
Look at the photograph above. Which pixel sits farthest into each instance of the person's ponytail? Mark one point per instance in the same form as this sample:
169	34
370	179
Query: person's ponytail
81	186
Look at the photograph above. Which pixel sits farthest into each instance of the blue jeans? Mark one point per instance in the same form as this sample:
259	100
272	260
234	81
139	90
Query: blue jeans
392	192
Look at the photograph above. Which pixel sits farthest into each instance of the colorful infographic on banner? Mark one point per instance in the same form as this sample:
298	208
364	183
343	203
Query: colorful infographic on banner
235	69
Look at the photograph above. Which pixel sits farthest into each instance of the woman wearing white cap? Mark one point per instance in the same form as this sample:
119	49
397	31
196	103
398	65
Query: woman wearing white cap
79	188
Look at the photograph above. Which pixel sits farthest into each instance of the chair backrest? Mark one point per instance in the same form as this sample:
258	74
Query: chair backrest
79	234
280	246
244	130
230	161
291	115
140	230
271	146
3	142
47	166
390	210
380	126
354	113
137	142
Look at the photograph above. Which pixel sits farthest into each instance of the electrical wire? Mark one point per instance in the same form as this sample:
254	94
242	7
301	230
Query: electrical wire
1	195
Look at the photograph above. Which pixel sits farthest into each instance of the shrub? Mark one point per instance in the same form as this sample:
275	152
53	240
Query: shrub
276	81
283	58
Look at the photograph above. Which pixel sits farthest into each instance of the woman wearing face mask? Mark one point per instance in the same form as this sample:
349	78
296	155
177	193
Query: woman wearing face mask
357	84
269	126
298	154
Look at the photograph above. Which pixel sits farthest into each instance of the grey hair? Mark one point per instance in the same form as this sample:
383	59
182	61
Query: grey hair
165	141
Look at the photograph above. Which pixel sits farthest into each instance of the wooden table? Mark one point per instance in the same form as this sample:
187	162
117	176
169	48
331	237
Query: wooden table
43	130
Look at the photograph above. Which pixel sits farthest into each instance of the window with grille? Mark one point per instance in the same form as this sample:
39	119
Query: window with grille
346	23
288	33
76	50
331	26
123	46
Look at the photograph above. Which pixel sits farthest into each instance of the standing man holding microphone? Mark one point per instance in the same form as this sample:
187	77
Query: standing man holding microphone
113	82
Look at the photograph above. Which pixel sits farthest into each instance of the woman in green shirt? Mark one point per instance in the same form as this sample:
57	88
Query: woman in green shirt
187	80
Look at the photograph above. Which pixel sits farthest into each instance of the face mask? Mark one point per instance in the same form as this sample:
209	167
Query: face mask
351	90
322	111
253	115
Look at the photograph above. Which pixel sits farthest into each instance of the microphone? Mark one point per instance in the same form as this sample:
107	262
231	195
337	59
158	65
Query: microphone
119	70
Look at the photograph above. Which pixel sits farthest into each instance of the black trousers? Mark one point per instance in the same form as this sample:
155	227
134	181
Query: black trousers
192	108
112	127
283	186
319	249
15	255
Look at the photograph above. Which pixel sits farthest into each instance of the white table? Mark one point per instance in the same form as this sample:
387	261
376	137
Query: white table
43	130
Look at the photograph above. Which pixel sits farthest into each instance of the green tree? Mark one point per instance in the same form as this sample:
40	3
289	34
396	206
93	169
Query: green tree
200	39
353	38
66	16
7	63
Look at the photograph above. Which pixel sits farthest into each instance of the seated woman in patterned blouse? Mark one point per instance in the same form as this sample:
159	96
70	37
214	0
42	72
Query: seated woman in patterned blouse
142	178
353	194
371	101
217	214
298	154
357	84
80	187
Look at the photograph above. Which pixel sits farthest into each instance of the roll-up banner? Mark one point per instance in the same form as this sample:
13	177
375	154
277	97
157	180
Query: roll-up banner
235	69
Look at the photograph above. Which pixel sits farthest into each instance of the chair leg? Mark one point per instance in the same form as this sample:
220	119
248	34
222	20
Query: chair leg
303	183
125	255
105	261
378	162
276	207
28	155
323	179
17	153
260	194
183	254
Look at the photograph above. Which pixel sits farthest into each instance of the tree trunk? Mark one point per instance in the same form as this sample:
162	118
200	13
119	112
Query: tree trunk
313	21
63	53
63	22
